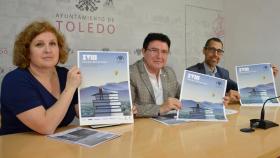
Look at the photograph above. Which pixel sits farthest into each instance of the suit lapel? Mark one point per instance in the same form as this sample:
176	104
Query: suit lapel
148	84
201	68
219	73
164	85
146	79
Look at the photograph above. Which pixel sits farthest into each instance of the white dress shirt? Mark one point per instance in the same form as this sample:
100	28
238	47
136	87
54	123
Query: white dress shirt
208	71
157	86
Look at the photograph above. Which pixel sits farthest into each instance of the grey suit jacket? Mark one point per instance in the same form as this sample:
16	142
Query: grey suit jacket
142	92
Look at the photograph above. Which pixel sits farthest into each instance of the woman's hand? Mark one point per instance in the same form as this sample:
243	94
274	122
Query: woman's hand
73	78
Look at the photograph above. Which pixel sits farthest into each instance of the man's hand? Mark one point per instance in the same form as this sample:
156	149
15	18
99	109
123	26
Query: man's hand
226	100
275	70
170	104
134	109
233	95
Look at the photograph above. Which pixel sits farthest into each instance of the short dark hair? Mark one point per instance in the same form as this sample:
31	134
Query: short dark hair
156	36
213	39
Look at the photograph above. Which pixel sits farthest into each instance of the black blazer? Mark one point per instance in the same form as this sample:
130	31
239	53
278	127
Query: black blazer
221	73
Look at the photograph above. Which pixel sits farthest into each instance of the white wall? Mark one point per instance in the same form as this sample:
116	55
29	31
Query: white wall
132	20
204	19
252	33
188	23
250	29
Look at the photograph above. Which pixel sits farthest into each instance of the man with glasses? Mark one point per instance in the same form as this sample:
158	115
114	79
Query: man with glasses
213	52
154	86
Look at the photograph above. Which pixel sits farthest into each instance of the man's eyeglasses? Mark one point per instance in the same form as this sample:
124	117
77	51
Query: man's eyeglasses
157	51
214	50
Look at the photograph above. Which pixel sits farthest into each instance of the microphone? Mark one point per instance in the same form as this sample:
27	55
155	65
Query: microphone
261	123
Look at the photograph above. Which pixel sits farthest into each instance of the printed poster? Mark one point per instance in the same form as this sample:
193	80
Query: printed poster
202	97
104	95
169	119
256	84
84	136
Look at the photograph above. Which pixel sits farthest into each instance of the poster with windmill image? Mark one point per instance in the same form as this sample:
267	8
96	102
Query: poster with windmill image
104	94
256	84
202	98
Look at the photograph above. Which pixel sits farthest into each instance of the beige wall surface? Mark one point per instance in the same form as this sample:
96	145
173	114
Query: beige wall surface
117	25
252	33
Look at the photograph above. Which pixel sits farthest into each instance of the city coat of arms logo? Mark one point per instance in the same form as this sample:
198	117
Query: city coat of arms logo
87	5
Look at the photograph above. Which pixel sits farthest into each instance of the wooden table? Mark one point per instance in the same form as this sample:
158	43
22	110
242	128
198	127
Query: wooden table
149	139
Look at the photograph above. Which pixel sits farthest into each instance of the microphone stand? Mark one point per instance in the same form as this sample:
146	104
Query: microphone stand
262	123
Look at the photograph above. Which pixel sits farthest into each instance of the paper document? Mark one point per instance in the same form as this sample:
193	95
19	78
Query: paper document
169	119
84	136
256	84
104	94
202	97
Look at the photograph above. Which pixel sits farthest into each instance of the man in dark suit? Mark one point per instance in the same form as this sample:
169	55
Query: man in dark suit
213	52
154	86
220	73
